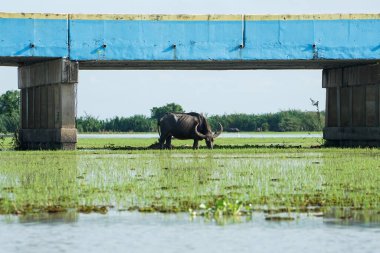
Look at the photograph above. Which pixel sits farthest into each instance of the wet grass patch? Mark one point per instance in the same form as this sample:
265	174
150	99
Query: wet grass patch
220	143
208	183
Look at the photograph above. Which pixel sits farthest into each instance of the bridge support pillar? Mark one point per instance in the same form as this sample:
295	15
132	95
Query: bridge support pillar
48	104
352	106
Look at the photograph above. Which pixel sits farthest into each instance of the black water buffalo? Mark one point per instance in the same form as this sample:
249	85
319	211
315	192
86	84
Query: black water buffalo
233	130
185	126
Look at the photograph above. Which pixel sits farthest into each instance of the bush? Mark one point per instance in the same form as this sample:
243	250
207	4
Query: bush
9	111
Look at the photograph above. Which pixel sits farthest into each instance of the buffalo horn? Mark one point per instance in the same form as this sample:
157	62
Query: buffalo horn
198	133
219	132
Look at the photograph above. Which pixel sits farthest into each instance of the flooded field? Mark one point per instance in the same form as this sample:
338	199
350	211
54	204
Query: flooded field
250	199
176	181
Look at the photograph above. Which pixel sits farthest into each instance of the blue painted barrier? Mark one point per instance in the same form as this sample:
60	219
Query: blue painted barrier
194	37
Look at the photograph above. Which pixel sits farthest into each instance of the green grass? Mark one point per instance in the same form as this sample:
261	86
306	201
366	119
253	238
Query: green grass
6	143
292	179
92	143
88	143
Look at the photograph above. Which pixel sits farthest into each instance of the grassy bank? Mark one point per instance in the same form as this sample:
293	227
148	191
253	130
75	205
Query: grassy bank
293	179
120	143
287	140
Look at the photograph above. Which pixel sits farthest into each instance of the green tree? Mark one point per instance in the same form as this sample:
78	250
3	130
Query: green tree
9	102
158	112
9	111
288	123
265	127
139	123
89	123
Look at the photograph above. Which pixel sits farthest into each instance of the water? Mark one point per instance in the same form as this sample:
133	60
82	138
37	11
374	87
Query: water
223	135
137	232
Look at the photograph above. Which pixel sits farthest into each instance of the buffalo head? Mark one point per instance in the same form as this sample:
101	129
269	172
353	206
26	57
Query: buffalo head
209	136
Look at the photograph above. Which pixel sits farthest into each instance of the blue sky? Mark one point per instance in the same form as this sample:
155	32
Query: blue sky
109	93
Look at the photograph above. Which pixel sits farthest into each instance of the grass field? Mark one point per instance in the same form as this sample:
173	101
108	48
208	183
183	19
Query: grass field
88	143
227	180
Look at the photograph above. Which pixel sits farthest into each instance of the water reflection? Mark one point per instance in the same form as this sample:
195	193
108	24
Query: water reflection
60	217
349	217
136	232
331	217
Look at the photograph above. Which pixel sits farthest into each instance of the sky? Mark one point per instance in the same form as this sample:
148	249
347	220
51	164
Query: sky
109	93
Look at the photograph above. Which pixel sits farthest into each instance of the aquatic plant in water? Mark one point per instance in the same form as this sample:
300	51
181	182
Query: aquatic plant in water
221	207
209	183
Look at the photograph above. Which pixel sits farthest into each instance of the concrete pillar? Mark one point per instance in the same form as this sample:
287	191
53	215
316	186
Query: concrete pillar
48	104
352	106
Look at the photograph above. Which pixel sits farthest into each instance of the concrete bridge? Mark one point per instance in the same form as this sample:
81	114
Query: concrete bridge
50	49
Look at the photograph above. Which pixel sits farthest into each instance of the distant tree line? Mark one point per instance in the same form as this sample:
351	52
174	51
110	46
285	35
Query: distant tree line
284	121
135	123
290	120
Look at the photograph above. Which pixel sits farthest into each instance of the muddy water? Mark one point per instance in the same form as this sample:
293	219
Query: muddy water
136	232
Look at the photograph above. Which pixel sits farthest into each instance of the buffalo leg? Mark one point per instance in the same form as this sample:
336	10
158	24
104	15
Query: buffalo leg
169	142
162	141
195	144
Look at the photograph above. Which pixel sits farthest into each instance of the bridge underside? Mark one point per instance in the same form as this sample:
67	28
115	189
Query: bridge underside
196	65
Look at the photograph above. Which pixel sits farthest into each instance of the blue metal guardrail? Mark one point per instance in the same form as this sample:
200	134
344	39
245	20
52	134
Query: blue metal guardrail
190	37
